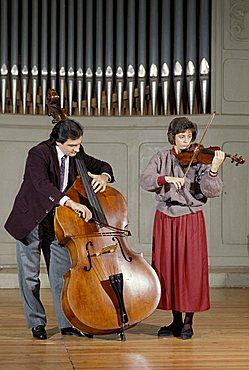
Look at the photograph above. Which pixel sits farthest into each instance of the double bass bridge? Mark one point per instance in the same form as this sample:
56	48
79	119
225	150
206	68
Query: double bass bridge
111	248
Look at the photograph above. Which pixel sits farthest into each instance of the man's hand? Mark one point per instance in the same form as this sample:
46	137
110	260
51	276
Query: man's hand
82	210
99	182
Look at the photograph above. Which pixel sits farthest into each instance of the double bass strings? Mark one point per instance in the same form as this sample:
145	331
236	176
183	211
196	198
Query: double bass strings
102	270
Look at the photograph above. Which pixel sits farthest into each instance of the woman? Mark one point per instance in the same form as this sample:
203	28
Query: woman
179	253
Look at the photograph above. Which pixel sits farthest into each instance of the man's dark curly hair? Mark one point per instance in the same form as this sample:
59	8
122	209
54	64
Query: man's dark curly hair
181	124
66	129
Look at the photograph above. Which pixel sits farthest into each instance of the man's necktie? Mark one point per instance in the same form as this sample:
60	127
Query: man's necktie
62	171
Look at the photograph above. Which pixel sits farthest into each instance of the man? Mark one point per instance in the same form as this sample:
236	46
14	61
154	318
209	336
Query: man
50	170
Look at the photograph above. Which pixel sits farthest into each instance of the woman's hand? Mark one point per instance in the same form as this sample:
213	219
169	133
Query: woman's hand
219	157
99	182
177	181
80	209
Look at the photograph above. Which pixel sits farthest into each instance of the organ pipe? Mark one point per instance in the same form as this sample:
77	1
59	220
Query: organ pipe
79	54
99	72
24	55
4	52
53	44
44	53
109	67
154	53
70	55
120	54
165	52
89	54
14	52
131	59
178	53
34	54
204	54
62	51
191	56
142	53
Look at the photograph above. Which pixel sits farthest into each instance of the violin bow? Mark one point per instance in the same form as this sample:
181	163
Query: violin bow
200	142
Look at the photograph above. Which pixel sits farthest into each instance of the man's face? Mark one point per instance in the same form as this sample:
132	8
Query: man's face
70	147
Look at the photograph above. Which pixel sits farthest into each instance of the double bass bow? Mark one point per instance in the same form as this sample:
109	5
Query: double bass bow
109	288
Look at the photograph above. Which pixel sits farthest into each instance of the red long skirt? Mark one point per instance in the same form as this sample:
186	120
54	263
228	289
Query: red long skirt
179	256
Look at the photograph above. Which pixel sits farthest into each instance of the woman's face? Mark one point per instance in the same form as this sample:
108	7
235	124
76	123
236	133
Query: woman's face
183	140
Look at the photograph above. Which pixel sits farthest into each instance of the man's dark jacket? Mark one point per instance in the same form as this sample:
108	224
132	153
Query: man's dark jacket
39	193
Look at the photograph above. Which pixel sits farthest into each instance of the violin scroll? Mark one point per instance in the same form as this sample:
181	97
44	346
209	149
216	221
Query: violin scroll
238	160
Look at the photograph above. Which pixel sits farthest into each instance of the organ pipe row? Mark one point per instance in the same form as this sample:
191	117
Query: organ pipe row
106	57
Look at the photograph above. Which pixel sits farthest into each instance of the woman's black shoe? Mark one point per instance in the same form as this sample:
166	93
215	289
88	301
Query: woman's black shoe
187	333
39	332
171	330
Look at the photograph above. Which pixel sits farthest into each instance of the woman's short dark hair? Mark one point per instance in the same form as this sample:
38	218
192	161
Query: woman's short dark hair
66	129
181	124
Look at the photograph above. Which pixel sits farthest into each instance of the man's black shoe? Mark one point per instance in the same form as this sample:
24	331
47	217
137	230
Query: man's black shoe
39	332
73	331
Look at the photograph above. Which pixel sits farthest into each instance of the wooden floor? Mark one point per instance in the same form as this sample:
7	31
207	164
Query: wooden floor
221	340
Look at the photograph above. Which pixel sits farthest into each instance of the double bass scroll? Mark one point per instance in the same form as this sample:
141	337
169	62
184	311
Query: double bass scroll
54	110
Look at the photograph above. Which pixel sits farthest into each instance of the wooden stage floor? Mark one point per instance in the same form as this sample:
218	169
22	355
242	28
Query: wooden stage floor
221	340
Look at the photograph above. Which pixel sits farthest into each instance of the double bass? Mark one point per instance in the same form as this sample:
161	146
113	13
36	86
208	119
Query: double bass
109	288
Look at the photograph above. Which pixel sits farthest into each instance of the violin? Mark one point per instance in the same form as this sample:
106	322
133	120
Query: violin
198	154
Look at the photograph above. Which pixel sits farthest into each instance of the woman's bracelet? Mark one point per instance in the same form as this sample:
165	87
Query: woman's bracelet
212	173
